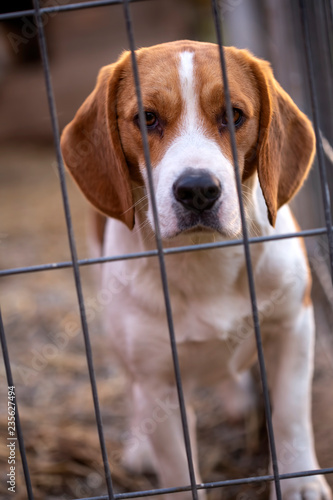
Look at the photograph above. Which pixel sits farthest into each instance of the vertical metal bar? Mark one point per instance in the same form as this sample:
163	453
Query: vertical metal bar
315	115
255	314
328	16
160	253
329	5
71	240
19	432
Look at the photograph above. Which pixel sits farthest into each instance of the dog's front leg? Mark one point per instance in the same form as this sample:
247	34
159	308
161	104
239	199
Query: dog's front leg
289	361
156	437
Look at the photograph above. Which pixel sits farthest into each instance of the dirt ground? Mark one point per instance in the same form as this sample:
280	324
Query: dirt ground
49	368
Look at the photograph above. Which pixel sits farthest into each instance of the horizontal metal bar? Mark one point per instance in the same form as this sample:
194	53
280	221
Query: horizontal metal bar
167	251
214	484
63	8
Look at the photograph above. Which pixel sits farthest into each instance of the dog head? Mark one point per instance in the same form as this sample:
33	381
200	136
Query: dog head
189	142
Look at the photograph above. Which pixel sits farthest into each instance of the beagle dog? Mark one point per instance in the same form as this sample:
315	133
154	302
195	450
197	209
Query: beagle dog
197	202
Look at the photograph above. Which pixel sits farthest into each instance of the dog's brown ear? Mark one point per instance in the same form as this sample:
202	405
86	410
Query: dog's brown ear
92	149
286	141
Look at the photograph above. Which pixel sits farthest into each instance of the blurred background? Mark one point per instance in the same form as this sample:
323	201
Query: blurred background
49	367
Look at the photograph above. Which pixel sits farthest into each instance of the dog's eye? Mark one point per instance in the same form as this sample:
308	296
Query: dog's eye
238	117
153	123
151	119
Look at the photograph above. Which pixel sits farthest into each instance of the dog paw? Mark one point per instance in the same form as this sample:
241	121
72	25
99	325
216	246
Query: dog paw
307	488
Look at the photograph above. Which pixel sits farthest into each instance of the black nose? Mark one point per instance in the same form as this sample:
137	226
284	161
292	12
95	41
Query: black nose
197	190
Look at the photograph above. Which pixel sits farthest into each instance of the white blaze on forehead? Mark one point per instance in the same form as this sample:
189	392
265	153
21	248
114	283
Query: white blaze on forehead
187	85
194	147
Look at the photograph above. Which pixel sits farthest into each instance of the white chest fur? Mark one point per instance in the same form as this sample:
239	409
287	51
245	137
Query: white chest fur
209	297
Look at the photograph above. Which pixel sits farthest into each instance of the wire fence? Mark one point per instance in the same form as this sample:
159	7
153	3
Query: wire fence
160	252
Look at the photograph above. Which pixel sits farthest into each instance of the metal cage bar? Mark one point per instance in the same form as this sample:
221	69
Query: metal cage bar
160	254
64	8
159	245
10	382
72	245
212	485
315	114
255	313
153	253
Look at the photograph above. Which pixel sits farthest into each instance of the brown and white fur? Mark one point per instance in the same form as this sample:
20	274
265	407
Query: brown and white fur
188	136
